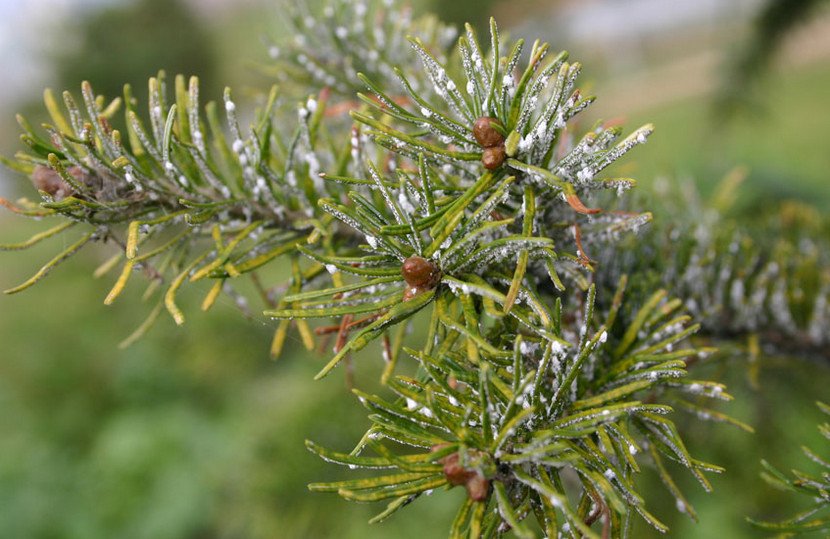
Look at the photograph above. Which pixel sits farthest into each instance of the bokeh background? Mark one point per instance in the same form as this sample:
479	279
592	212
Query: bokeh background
194	432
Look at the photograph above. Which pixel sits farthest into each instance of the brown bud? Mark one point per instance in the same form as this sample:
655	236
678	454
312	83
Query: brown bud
493	157
485	134
477	487
47	180
454	472
420	273
473	480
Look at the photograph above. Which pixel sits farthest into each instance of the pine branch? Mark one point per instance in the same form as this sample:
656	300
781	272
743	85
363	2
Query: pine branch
816	487
184	200
461	198
508	426
516	384
330	48
768	280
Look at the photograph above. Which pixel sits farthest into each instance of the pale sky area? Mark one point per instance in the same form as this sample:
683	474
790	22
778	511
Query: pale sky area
24	27
23	35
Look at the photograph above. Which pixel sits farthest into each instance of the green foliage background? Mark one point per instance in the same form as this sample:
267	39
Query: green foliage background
194	432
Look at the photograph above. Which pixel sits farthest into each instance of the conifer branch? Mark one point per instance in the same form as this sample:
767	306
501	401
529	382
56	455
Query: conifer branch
769	280
462	198
817	487
181	185
331	48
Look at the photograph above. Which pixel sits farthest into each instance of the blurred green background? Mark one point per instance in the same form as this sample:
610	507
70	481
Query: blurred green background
194	432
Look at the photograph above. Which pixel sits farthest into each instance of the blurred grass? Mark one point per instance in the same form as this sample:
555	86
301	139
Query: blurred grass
783	142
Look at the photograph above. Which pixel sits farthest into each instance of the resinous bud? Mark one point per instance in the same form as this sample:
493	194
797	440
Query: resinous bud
418	272
485	134
493	157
